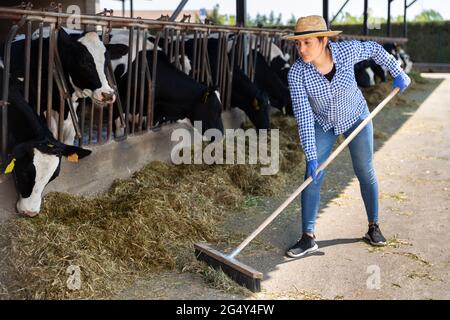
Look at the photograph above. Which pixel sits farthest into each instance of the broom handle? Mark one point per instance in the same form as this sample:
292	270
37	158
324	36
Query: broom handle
308	181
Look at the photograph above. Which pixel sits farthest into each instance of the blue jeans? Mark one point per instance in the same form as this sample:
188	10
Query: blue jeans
361	150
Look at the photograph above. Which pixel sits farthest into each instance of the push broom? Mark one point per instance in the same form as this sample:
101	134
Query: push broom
243	274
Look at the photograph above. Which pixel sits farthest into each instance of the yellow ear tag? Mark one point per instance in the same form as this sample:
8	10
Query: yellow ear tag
73	157
10	166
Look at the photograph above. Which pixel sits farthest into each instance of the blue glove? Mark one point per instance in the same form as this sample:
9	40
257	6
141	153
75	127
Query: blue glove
401	81
311	167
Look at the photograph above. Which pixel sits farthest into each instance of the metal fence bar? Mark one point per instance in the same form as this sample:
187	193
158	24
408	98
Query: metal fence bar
100	123
135	74
143	69
130	61
39	69
194	55
91	122
152	81
223	69
51	57
218	59
82	121
177	50
183	52
4	101
26	90
110	121
230	74
171	53
64	94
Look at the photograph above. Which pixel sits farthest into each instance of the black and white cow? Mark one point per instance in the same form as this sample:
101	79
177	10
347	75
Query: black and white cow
245	95
368	73
279	63
119	41
177	96
34	155
399	53
83	58
269	81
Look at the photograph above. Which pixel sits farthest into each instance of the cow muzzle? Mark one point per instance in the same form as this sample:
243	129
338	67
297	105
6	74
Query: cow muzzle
108	97
104	97
28	208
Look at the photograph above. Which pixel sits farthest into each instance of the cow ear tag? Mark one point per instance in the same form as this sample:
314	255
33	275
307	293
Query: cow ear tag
255	104
73	157
10	166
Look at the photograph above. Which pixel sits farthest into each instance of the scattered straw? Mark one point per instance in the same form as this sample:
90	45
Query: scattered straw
420	275
412	256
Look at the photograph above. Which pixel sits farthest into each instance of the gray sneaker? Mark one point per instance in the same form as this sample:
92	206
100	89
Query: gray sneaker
374	236
304	246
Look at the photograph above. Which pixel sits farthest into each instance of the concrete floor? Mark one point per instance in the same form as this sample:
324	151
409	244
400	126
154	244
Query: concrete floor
413	168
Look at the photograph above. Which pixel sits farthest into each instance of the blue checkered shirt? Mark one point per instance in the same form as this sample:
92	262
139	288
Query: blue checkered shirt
337	104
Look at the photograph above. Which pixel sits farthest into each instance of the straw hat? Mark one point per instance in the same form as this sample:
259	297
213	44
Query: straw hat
311	26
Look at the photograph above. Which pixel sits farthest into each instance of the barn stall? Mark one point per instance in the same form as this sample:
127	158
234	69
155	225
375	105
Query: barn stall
136	225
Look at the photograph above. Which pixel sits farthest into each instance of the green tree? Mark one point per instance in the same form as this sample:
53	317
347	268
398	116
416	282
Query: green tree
347	18
271	19
261	20
292	20
232	20
428	15
398	19
279	20
215	17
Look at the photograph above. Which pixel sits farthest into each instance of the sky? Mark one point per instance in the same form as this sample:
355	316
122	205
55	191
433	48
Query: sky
288	7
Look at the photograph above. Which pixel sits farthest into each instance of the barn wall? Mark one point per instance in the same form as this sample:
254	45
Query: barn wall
427	42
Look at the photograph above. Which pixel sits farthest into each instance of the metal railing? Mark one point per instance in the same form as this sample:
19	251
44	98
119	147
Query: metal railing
235	44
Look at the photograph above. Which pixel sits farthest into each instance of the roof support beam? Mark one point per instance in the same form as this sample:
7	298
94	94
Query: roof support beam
335	16
325	7
241	12
366	18
388	25
177	11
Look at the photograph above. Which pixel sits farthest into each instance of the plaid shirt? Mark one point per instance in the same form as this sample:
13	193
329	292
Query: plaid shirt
337	104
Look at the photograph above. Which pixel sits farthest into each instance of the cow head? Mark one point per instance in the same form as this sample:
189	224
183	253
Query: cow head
363	74
254	102
208	110
84	59
279	62
259	109
34	155
35	164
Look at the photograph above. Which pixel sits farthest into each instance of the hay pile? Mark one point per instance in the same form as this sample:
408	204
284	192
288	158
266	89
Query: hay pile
143	224
375	94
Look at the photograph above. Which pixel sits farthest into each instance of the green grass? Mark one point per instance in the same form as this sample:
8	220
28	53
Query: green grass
251	201
417	77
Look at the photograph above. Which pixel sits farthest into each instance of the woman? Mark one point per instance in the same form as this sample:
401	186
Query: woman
326	103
